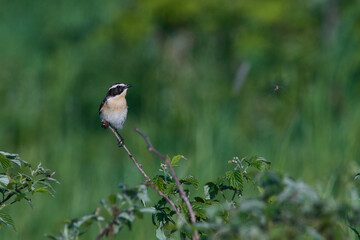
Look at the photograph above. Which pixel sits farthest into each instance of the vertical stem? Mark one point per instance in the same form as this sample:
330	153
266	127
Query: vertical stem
147	182
177	182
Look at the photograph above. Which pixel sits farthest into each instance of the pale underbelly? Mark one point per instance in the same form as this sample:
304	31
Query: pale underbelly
116	119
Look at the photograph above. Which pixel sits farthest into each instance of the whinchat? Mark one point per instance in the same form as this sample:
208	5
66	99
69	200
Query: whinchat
113	109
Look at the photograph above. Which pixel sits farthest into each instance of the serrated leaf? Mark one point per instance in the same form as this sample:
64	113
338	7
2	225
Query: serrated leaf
159	182
199	209
235	179
169	188
258	162
6	219
4	162
4	180
190	180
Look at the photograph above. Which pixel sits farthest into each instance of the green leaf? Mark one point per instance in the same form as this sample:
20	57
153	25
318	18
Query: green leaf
10	155
190	180
357	176
160	233
17	162
127	216
49	179
210	190
159	182
112	198
43	190
143	194
19	196
169	188
176	158
235	179
199	209
258	162
4	180
356	232
46	184
199	199
6	219
147	210
5	163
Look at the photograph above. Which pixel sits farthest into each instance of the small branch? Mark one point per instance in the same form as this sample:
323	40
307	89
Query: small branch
177	182
106	230
121	143
12	194
17	190
148	180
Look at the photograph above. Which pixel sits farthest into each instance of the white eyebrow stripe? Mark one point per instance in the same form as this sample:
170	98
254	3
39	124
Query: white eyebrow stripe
118	85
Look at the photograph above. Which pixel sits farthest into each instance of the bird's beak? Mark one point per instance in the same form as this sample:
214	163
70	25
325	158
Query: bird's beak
129	86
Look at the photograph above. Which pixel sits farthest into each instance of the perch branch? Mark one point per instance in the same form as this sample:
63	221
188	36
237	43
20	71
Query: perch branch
148	180
177	182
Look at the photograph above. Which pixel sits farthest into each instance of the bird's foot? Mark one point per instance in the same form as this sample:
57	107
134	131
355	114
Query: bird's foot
104	124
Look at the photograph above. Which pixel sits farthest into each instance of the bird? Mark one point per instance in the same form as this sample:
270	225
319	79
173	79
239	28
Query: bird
113	109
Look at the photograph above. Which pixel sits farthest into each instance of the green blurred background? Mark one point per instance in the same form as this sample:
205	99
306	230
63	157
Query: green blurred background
204	73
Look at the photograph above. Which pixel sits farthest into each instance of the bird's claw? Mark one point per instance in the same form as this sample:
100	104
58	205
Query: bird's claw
104	124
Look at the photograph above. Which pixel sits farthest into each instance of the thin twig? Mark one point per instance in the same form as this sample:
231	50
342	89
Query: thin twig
17	191
177	182
113	221
12	194
148	180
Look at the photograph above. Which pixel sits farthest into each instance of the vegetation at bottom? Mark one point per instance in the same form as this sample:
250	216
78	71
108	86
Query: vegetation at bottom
212	79
281	208
19	181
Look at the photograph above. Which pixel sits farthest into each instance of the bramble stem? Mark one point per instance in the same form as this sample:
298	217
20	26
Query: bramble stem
148	180
177	182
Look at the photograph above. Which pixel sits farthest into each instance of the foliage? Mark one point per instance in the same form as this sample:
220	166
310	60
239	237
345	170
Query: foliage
114	213
185	60
18	181
282	208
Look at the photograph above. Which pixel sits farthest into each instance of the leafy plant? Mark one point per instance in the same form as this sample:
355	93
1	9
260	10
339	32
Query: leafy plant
114	213
278	208
19	181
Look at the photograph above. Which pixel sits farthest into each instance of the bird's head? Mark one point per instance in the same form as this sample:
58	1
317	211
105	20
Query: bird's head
117	89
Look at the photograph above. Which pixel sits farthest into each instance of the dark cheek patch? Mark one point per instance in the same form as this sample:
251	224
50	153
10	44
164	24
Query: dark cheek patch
115	91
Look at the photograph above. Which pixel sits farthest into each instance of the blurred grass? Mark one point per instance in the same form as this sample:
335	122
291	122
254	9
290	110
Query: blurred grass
58	59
